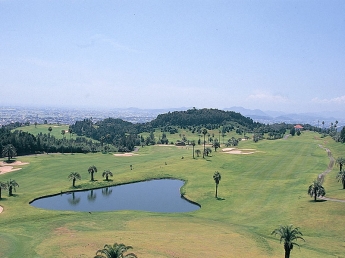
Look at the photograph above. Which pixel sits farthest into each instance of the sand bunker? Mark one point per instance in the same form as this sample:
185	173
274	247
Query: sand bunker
10	167
125	154
238	151
1	209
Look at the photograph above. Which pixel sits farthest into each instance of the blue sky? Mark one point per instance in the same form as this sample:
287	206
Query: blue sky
269	55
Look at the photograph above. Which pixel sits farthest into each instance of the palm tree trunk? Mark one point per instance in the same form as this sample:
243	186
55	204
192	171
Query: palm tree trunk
343	184
216	190
193	151
73	182
315	195
91	176
0	193
10	191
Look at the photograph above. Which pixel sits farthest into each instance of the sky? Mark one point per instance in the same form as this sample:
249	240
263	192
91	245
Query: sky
270	54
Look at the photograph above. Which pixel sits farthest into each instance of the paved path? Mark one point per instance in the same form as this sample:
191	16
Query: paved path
321	177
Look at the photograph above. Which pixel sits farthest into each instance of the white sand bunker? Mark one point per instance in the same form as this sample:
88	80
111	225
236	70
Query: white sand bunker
238	151
1	209
10	167
125	154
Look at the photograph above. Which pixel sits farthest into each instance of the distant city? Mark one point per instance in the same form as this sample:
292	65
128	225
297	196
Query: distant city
135	115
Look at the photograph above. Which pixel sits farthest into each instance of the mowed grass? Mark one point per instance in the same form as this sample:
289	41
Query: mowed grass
258	192
43	128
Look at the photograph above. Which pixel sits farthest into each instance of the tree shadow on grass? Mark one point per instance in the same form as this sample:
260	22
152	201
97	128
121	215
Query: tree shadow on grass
76	187
220	199
9	161
318	200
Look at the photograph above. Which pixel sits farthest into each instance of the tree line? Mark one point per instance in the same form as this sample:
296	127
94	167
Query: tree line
118	135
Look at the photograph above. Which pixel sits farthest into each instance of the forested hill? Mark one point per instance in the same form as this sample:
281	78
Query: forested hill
200	117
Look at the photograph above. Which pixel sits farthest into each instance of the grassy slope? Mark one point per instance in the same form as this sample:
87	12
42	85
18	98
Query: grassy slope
258	191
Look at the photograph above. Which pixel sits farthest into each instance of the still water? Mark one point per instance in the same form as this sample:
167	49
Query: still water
156	196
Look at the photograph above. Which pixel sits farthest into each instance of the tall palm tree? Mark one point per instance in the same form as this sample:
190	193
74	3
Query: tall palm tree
289	235
74	176
92	169
70	131
217	177
106	174
316	190
204	132
193	144
341	162
341	178
63	132
115	251
50	129
9	151
11	185
2	186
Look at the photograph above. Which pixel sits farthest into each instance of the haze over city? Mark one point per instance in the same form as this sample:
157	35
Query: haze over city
270	55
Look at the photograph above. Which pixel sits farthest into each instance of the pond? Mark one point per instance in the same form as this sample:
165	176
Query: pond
161	195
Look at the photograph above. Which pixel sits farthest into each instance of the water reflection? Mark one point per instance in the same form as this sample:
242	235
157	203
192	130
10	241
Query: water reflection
73	201
91	196
106	191
155	195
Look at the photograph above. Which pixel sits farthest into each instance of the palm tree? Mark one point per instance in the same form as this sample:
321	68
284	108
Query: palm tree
208	151
11	185
70	131
106	174
341	162
2	186
204	132
50	130
63	132
9	151
217	177
197	152
74	176
216	145
316	190
92	169
193	144
341	178
289	235
115	251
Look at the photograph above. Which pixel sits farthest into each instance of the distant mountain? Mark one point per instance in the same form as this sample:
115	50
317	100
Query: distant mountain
280	117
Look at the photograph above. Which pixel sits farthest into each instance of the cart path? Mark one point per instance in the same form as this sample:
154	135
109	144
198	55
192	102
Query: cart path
321	177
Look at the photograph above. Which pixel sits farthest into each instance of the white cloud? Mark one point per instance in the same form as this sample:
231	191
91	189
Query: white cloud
100	38
337	100
267	97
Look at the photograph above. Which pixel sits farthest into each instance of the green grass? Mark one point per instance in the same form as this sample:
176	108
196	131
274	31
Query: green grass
258	192
56	130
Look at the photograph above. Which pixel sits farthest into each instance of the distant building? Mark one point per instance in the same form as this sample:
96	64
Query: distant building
298	127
